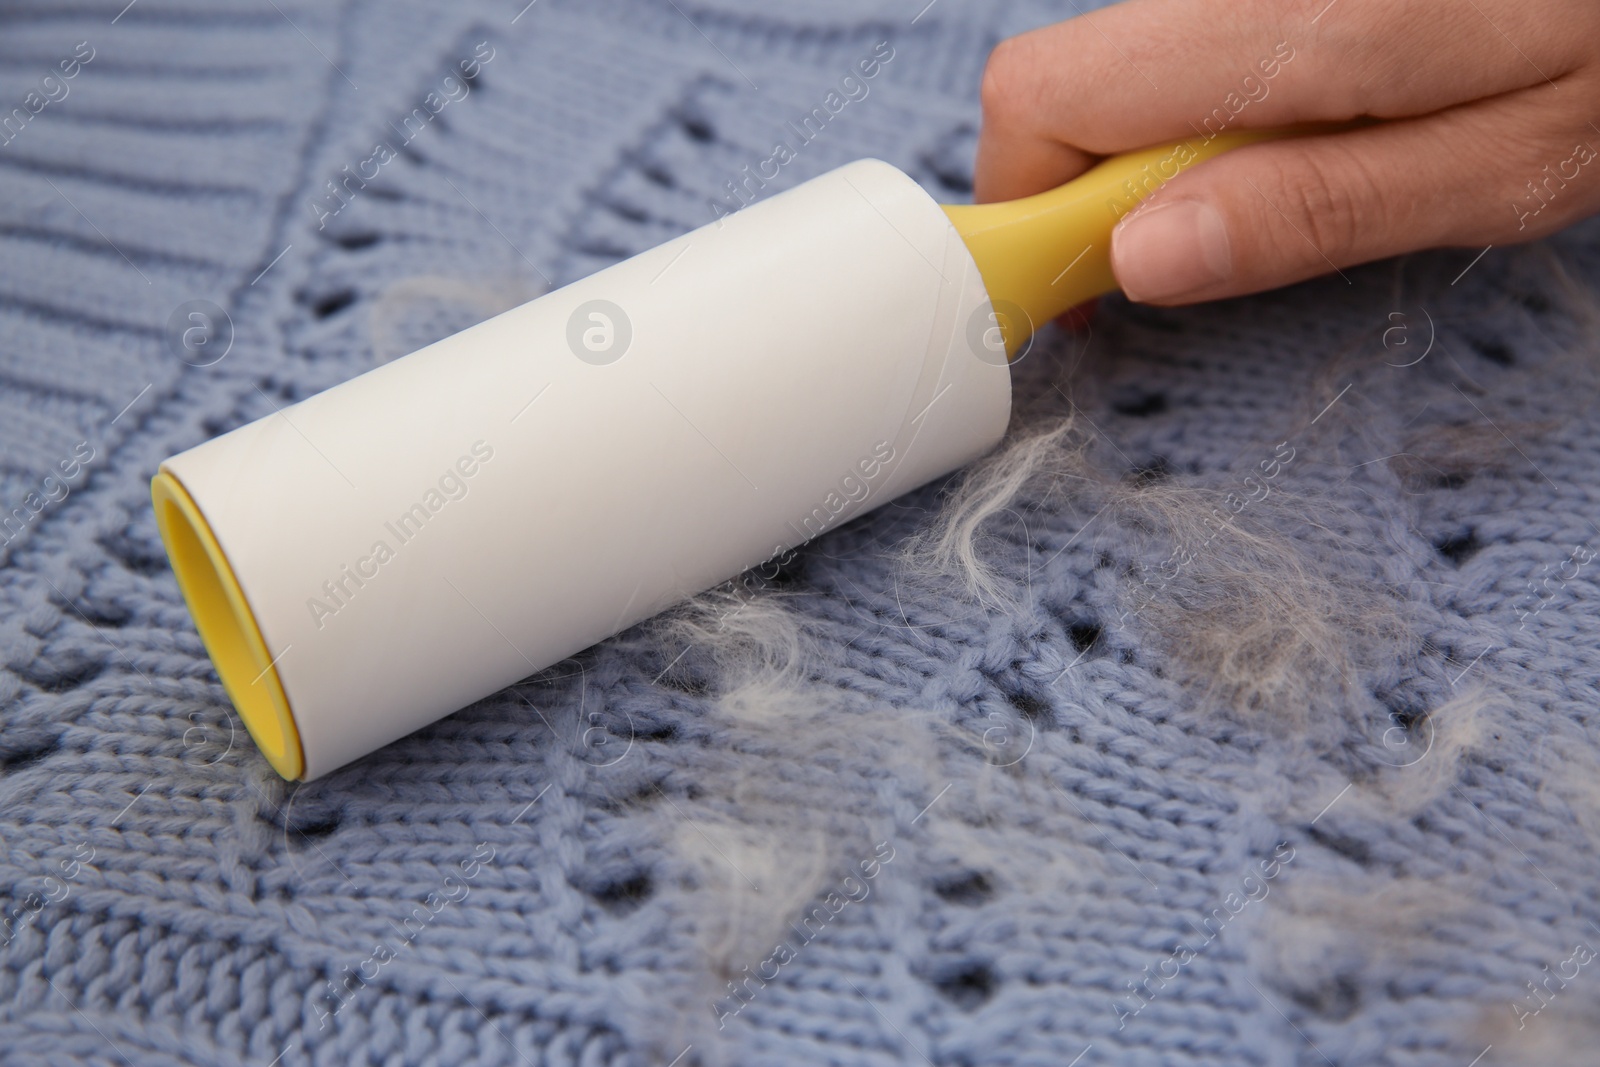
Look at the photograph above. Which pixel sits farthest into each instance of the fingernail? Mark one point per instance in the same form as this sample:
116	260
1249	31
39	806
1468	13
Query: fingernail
1170	250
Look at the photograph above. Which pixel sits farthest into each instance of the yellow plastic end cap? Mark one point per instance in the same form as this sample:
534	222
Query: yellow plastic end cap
227	626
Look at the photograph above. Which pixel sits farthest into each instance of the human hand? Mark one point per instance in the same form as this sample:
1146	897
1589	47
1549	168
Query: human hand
1492	134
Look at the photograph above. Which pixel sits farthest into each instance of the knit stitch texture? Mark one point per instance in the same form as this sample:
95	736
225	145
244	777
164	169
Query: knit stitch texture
1074	822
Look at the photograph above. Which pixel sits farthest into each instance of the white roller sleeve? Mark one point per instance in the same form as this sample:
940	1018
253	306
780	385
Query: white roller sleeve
424	535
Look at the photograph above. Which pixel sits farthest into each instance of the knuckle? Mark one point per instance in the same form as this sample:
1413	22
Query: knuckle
1009	89
1333	204
1546	178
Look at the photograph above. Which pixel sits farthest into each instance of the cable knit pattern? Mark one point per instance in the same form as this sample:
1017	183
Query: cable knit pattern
1045	834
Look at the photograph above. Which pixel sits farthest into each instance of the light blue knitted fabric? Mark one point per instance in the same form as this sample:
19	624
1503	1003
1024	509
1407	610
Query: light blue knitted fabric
1067	831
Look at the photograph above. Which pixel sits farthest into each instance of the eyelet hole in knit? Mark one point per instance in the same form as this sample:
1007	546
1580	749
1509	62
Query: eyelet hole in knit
684	682
969	888
1152	472
697	128
330	304
1352	849
318	829
1140	405
1028	705
1495	352
624	895
1335	1002
662	731
1085	635
354	242
1406	717
949	163
132	550
1459	547
70	678
969	986
22	753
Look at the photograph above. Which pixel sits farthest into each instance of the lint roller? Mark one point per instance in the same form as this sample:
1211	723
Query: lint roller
384	553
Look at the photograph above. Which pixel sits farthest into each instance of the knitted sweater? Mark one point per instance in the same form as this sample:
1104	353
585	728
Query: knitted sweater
1264	735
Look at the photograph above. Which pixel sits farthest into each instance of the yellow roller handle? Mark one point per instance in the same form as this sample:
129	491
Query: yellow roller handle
1043	254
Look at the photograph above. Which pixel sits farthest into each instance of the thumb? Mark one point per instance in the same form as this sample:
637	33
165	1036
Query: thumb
1277	212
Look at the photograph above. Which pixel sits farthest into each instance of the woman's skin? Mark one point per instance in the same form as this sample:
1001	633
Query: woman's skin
1491	131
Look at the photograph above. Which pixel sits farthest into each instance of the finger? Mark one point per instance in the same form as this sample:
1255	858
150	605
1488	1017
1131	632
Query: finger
1147	70
1273	213
1015	160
